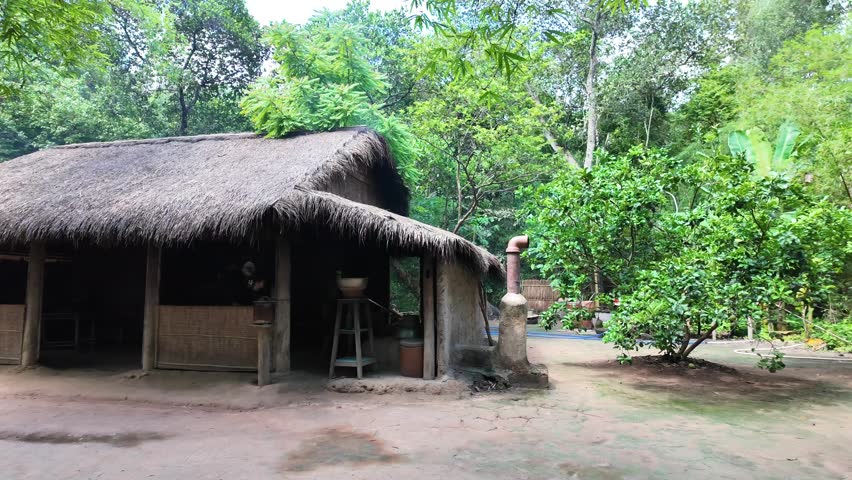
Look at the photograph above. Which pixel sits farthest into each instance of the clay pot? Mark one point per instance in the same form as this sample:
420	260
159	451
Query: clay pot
352	287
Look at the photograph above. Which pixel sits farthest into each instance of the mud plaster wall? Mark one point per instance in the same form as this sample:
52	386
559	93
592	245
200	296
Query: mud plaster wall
459	315
357	187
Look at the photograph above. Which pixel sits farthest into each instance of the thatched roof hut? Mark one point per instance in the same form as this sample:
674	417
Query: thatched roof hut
187	241
177	190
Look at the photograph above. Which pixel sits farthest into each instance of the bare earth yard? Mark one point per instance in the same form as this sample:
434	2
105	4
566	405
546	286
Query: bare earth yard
599	421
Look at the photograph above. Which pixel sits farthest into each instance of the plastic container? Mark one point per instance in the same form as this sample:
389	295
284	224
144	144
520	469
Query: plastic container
411	357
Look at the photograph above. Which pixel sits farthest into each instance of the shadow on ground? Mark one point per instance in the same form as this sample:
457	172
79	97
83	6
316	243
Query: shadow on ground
710	389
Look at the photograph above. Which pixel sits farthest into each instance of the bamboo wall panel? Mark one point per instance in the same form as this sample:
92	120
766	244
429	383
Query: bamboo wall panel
540	296
11	333
206	338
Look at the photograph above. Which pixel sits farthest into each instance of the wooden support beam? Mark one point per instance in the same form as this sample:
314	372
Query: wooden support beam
281	342
35	294
264	354
152	307
427	312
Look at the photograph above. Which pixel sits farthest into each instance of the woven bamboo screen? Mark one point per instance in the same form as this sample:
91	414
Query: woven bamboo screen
206	338
538	293
11	333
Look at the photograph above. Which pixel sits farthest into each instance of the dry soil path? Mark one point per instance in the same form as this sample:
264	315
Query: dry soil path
599	421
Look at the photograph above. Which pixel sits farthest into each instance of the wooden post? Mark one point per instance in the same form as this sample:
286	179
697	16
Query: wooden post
35	294
152	307
427	310
264	354
750	329
281	348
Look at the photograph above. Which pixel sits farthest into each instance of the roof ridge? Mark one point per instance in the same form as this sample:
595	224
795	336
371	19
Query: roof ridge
197	138
158	141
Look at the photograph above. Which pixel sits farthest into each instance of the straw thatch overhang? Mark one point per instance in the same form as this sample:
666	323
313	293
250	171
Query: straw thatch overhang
402	234
182	189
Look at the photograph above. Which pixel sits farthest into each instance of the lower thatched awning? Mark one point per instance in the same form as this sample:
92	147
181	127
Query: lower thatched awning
375	225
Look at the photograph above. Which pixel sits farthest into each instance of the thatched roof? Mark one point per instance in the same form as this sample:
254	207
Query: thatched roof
176	190
405	235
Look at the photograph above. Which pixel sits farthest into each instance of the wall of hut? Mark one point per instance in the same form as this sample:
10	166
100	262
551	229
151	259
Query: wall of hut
460	320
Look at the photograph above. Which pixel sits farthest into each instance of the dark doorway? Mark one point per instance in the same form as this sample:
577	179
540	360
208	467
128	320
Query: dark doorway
93	308
319	257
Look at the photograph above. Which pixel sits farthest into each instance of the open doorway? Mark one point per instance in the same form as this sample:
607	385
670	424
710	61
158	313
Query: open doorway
92	310
319	258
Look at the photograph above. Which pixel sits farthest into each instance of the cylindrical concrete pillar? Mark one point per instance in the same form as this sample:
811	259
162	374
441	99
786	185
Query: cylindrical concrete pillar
512	343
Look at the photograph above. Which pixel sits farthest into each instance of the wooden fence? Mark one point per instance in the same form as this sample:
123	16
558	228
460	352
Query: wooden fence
11	333
540	296
207	338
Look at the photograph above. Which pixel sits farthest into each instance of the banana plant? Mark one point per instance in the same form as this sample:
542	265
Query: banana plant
753	144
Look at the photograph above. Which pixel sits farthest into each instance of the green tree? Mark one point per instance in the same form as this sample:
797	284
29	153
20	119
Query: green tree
741	247
146	80
59	109
324	81
764	26
665	49
480	142
390	47
603	220
807	82
46	34
711	107
196	57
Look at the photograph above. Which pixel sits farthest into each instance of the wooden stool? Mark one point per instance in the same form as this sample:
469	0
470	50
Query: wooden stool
349	309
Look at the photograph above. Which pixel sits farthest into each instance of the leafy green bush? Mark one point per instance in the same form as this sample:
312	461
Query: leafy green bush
838	336
604	219
689	247
323	82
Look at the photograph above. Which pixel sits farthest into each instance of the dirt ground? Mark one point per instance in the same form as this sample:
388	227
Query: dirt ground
599	420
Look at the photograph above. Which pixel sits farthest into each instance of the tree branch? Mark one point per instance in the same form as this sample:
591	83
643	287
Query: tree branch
703	337
548	134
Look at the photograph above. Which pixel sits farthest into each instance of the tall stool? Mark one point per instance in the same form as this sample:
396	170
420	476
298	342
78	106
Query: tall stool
349	310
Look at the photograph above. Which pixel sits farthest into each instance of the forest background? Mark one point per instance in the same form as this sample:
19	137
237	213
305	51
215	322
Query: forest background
690	157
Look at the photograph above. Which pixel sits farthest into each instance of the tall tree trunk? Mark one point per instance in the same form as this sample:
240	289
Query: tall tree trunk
648	124
459	195
591	92
184	112
846	186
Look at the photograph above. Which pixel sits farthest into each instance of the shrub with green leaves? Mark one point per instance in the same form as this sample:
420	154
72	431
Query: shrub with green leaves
691	247
837	336
324	81
605	219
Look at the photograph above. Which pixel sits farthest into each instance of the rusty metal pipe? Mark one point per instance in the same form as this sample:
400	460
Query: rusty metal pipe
513	262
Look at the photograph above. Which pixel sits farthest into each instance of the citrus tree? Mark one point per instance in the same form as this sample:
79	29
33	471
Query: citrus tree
727	246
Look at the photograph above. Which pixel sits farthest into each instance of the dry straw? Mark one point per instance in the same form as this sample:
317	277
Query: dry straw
182	189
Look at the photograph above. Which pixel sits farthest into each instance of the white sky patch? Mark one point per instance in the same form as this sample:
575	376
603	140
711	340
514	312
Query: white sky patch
299	11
